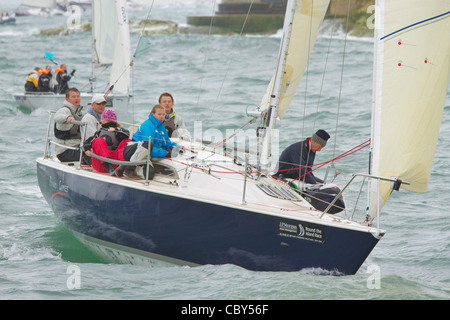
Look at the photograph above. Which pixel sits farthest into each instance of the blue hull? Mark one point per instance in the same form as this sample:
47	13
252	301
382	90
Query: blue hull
198	232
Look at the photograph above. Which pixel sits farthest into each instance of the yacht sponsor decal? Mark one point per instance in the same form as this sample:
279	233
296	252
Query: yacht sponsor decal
300	230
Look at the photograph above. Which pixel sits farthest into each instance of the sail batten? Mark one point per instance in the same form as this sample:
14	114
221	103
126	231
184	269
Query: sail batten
411	66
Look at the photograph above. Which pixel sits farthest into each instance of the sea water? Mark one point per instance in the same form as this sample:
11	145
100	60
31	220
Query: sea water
214	80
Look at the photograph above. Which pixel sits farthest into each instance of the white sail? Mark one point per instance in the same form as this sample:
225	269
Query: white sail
111	36
301	25
411	75
306	22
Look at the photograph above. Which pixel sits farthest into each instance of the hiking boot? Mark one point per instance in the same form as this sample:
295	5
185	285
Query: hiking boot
130	174
110	167
120	170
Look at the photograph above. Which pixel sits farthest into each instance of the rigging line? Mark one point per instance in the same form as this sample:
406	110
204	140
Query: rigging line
143	28
306	77
134	55
325	68
318	165
234	133
205	58
342	77
230	58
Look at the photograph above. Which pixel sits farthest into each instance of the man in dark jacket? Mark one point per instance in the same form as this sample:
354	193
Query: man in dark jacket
62	79
297	159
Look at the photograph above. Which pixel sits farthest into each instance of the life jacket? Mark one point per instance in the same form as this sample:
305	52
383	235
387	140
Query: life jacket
169	123
110	137
31	83
57	71
72	133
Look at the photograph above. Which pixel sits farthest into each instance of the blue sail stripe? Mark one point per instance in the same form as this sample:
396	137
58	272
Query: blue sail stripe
415	24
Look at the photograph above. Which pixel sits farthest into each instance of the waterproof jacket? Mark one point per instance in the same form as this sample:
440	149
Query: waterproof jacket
92	119
155	129
45	81
112	139
31	83
62	78
175	126
297	155
60	120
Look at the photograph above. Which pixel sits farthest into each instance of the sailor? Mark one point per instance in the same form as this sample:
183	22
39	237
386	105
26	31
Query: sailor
160	145
31	83
67	133
108	142
173	122
297	159
62	79
92	118
45	83
93	115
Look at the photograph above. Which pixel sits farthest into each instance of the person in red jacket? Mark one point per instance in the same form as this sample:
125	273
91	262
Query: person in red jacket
108	142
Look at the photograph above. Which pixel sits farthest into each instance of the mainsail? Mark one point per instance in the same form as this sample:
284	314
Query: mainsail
301	26
111	37
306	22
411	75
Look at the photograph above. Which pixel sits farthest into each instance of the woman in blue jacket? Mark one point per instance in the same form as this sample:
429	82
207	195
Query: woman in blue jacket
154	127
160	147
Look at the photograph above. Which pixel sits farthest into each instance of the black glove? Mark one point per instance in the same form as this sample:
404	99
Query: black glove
73	72
169	152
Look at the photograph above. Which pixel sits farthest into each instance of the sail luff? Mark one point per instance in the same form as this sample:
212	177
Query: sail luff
412	76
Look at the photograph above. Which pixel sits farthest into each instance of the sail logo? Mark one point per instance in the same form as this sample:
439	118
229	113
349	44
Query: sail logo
300	231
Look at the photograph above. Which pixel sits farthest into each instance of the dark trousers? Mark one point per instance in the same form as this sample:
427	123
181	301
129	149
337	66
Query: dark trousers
69	155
